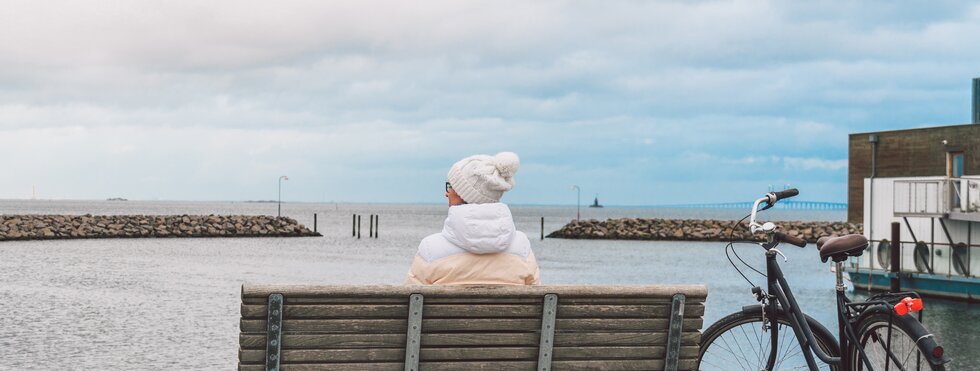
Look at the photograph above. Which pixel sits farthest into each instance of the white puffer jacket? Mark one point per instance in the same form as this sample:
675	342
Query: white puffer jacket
478	245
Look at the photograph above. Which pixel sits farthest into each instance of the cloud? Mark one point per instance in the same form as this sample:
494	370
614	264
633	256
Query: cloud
796	163
348	96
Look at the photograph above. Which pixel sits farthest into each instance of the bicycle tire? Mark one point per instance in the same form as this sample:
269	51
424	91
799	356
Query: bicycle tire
718	352
908	352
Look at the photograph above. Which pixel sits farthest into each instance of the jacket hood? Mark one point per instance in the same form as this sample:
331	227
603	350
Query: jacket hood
480	228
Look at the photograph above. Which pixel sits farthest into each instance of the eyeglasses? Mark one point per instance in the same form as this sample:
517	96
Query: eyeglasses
448	186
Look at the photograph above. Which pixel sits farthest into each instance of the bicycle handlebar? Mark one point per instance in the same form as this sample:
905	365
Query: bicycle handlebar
780	236
770	199
784	194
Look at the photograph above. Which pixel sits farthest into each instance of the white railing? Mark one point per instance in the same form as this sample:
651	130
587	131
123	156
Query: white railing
936	197
921	197
969	194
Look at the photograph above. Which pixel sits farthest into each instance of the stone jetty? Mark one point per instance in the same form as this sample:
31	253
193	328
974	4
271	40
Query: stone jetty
693	229
47	227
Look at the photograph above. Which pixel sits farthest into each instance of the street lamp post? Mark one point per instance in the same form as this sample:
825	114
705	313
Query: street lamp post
280	193
578	202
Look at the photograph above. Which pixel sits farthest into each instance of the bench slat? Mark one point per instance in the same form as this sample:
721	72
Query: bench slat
348	341
340	300
463	325
624	311
374	366
463	354
335	311
472	311
630	365
474	291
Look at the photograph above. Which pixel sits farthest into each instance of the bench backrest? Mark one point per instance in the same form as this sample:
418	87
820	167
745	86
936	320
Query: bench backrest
299	327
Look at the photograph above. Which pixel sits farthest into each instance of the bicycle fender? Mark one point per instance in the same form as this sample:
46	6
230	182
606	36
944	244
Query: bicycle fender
815	326
926	341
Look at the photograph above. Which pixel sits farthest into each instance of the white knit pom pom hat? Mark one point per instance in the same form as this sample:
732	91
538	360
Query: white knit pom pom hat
483	179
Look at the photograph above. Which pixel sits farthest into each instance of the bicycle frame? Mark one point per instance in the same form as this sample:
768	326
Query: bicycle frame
781	295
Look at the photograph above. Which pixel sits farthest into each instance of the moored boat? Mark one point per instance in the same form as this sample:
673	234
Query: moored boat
927	180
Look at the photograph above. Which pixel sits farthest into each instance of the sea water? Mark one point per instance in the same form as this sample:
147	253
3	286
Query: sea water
150	304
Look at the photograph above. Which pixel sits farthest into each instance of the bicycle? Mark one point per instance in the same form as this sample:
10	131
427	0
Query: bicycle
880	333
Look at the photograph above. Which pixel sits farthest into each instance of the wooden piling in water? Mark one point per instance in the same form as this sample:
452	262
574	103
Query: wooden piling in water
358	227
314	222
353	225
376	228
371	226
895	257
542	228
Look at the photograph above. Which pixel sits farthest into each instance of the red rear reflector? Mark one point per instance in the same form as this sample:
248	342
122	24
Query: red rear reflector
937	352
908	305
901	309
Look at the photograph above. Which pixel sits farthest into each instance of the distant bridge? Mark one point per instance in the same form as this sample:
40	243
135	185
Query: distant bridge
793	205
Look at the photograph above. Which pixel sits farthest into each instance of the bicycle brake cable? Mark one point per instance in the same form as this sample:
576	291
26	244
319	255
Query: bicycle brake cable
735	266
731	245
743	261
731	237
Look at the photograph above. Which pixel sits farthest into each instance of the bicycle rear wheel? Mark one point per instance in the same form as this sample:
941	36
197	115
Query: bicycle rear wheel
873	338
738	342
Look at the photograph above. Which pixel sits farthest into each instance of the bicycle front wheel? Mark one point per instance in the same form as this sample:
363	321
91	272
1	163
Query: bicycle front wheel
898	351
739	342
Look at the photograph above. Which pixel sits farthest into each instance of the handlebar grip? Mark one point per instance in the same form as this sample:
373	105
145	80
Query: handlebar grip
790	239
787	193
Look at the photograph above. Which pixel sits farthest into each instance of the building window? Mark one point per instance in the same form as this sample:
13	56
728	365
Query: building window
954	169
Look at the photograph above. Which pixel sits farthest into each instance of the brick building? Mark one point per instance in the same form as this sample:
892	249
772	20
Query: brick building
918	191
921	152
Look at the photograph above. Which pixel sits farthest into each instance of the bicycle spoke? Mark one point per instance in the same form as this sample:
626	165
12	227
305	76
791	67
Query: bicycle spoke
892	356
712	364
737	358
738	345
744	345
800	367
736	353
882	350
796	352
788	350
912	350
761	337
746	335
781	352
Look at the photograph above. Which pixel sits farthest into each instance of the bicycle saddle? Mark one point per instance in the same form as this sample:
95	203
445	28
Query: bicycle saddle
839	248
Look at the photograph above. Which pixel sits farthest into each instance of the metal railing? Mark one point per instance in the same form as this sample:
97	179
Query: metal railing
936	197
951	260
920	197
968	194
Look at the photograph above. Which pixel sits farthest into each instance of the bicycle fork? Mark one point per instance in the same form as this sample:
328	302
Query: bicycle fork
779	297
780	294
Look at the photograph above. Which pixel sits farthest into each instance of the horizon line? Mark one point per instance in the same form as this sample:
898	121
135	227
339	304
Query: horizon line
653	206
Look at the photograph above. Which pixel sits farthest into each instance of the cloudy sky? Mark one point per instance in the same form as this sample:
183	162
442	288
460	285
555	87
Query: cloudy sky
371	101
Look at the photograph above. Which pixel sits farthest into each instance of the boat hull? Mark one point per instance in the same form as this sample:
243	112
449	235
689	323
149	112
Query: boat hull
935	285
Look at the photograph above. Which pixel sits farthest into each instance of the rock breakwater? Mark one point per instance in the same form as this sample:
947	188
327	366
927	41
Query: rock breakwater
43	227
693	229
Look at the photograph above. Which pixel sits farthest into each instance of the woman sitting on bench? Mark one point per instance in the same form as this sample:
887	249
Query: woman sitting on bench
478	243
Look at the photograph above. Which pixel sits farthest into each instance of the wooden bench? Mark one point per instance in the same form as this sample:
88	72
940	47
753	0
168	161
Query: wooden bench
299	327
